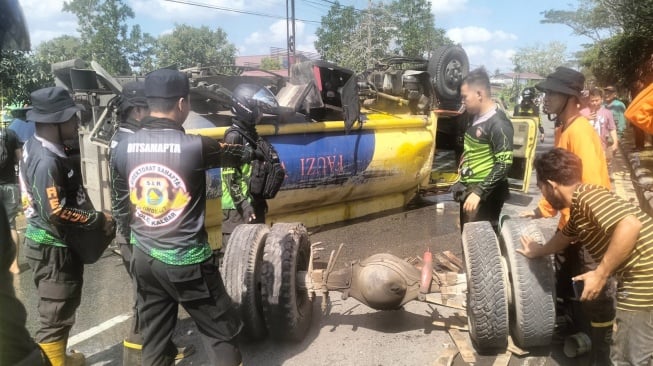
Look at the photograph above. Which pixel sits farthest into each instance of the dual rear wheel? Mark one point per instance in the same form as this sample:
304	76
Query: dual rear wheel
507	293
263	271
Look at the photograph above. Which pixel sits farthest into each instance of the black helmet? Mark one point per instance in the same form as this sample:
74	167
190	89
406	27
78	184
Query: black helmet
528	93
250	101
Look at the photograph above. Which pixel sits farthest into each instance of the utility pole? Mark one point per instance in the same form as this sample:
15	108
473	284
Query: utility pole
290	32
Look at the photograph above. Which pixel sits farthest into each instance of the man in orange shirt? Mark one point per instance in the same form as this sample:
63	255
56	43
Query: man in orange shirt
575	134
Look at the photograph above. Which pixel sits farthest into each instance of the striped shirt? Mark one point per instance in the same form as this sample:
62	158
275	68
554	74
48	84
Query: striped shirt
595	213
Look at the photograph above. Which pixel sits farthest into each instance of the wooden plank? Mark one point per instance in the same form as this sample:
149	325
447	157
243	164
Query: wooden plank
503	359
448	325
447	356
452	257
464	345
514	349
438	299
446	263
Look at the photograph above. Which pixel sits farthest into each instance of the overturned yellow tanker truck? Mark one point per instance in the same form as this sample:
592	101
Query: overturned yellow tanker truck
351	145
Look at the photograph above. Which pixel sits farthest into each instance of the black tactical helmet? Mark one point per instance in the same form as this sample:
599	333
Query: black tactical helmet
528	93
250	101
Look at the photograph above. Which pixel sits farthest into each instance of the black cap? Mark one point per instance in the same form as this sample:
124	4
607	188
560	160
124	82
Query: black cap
133	95
166	83
52	105
564	80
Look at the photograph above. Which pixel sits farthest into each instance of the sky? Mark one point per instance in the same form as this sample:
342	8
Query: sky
490	31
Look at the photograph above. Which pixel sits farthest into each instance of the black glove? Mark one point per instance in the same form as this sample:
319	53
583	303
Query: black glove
247	211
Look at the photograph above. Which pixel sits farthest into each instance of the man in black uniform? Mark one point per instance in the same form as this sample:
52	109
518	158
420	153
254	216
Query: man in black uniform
10	154
133	108
57	205
239	206
164	169
487	154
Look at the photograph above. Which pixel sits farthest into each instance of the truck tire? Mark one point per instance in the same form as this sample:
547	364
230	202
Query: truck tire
241	269
533	287
487	297
447	67
287	307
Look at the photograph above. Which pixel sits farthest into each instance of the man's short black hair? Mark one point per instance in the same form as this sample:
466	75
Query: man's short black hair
560	166
162	105
480	79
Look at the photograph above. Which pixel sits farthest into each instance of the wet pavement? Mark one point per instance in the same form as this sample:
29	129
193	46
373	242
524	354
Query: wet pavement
349	333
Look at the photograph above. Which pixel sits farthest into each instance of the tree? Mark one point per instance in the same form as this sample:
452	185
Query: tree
622	31
334	36
56	50
189	46
269	63
141	50
416	35
105	35
19	77
357	39
540	59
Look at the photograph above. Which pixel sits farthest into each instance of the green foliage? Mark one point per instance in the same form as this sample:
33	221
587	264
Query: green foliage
269	63
141	50
357	39
416	34
622	31
336	37
56	50
19	76
189	46
540	59
105	36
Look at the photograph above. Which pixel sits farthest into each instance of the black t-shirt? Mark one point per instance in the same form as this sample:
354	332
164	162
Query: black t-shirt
8	171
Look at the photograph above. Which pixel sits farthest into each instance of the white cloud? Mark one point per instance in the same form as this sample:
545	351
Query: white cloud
212	9
275	36
473	34
475	51
47	20
447	6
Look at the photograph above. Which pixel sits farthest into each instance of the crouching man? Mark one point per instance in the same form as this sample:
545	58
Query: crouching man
618	235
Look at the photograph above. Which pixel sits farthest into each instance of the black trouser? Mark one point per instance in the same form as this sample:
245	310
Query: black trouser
571	262
488	209
199	289
233	218
126	250
593	317
58	275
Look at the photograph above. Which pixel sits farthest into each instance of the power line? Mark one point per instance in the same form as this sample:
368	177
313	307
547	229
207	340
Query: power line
208	6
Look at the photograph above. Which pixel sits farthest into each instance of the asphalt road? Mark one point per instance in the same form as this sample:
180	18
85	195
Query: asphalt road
350	333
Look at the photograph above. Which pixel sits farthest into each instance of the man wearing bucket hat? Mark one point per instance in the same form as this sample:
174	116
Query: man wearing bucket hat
164	170
56	205
575	134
